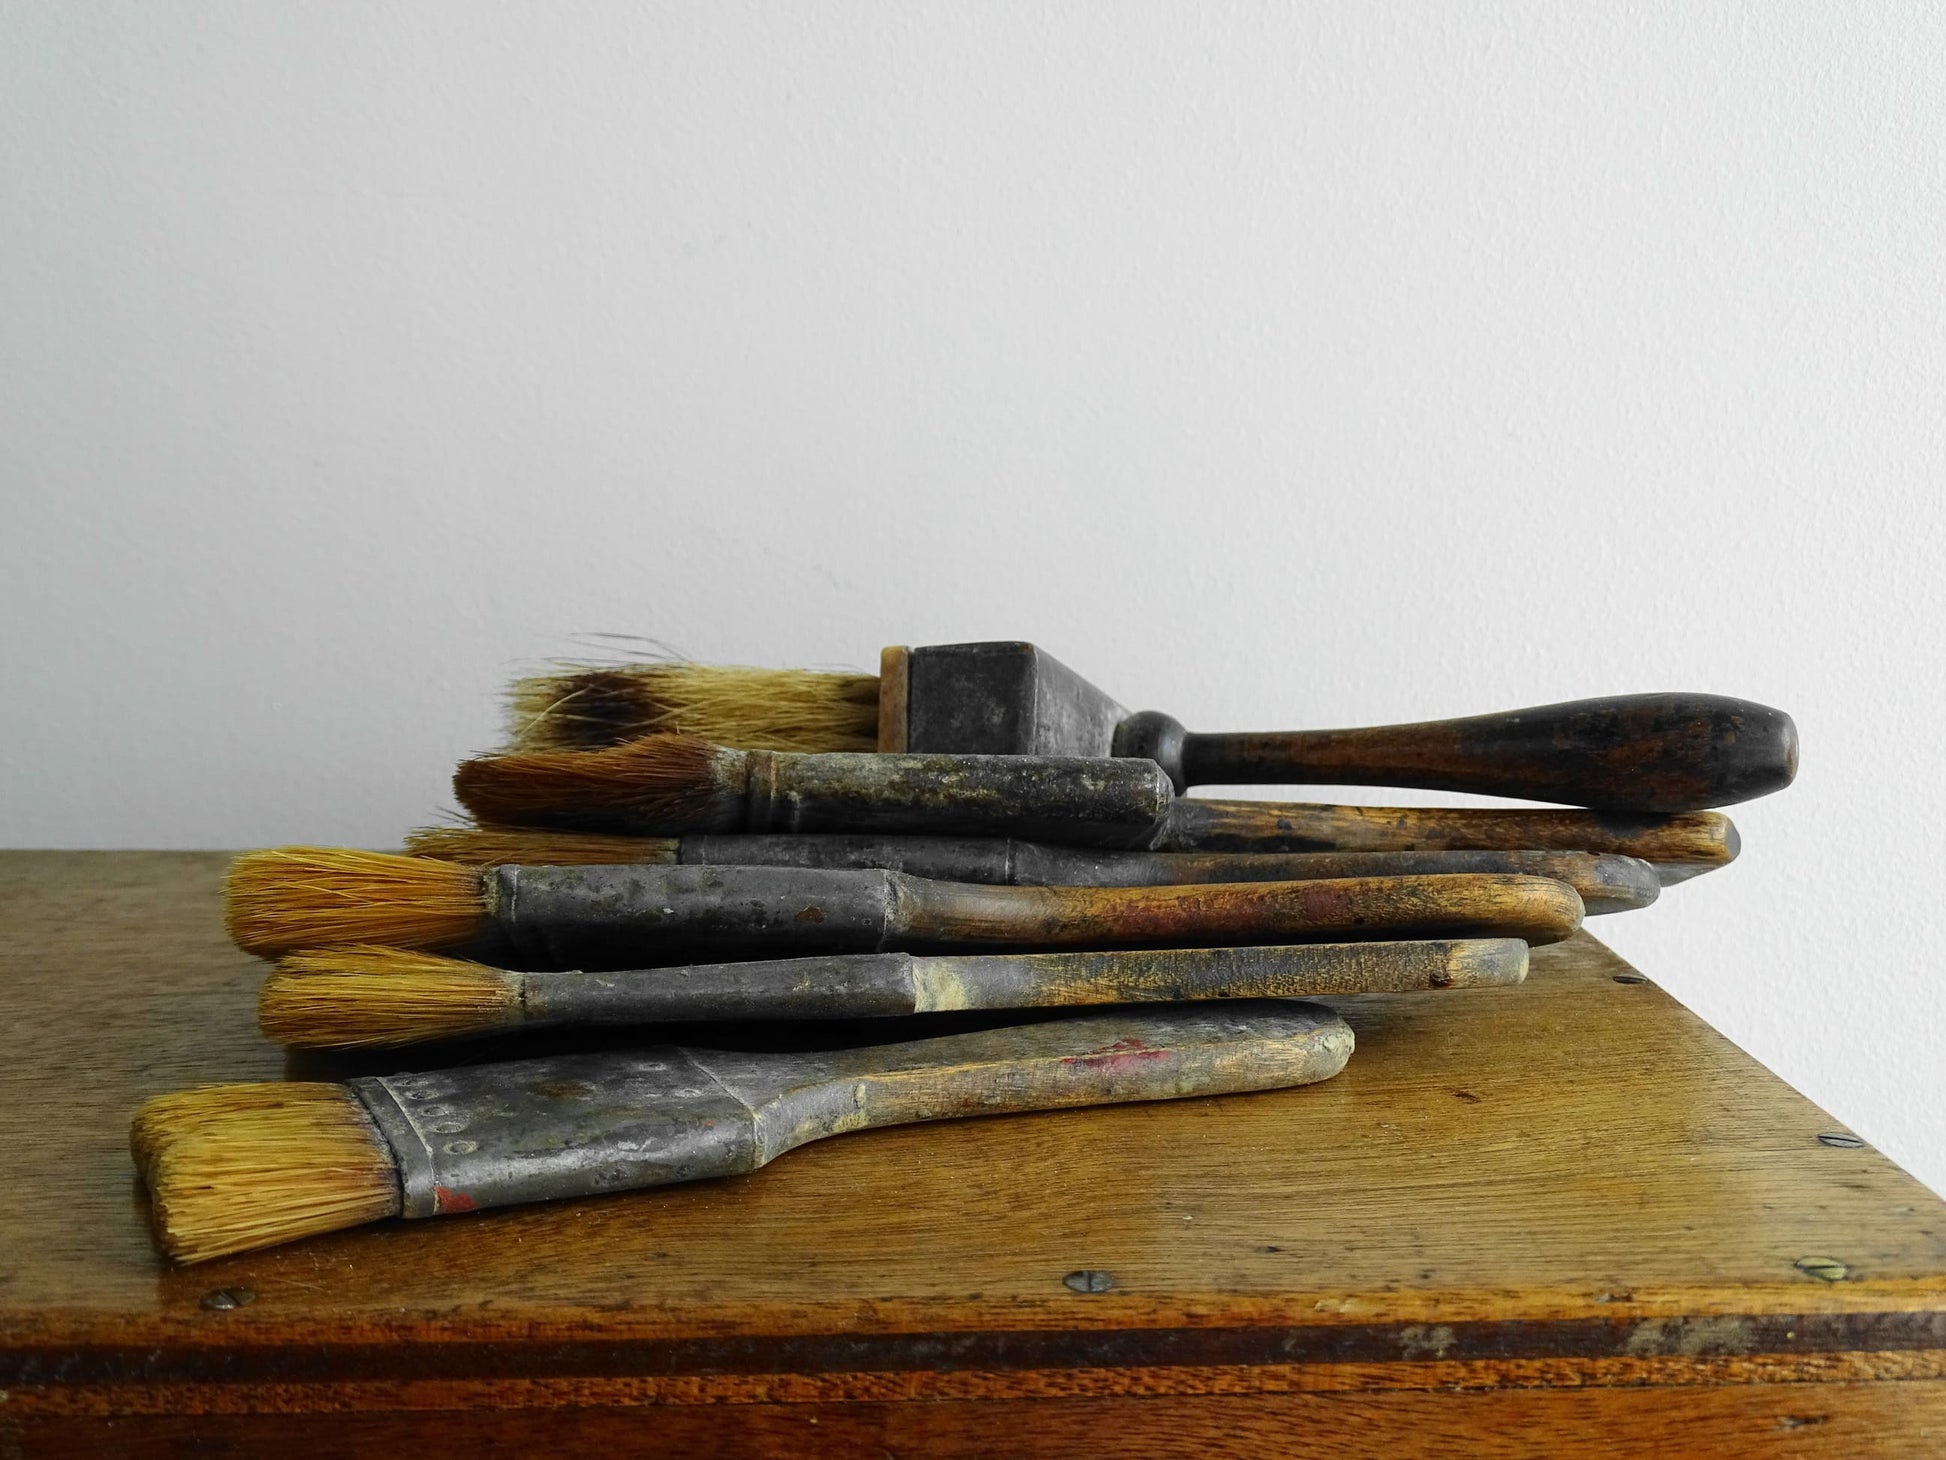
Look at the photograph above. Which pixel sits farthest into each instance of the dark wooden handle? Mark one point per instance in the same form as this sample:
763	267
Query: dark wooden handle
1537	909
1700	839
1660	752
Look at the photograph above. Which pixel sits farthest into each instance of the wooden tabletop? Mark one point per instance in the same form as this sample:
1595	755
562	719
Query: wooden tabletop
1566	1209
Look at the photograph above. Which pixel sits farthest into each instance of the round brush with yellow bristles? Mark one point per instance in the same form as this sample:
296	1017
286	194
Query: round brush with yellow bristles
298	898
352	998
238	1167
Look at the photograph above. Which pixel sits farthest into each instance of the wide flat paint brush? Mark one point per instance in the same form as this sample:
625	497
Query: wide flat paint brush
238	1167
1607	884
296	898
350	998
1656	752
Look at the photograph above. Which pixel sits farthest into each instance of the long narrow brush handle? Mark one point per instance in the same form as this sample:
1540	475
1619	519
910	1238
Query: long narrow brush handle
614	916
1659	752
576	1125
1701	839
944	914
876	985
1606	883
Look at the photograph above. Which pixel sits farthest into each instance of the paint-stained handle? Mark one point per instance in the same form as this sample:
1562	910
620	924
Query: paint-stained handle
1699	840
1537	909
1096	1060
880	985
1305	971
1607	883
1658	752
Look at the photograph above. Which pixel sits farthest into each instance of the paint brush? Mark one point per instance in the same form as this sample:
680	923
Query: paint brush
350	998
238	1167
1606	883
296	898
1655	752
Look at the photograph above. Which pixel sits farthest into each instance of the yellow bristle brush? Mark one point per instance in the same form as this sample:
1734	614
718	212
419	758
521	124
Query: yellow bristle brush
355	998
238	1167
299	898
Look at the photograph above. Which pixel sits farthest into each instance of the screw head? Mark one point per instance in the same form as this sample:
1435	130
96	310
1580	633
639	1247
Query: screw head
1629	978
1089	1280
1844	1140
221	1300
1825	1269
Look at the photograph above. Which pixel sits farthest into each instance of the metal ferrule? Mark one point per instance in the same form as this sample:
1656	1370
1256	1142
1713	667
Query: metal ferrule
574	1125
1062	798
842	986
944	858
631	914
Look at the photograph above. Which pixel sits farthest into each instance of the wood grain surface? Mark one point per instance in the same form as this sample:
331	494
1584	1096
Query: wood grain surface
1558	1218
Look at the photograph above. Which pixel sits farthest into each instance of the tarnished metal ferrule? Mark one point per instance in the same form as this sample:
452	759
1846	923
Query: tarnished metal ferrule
631	913
574	1125
836	986
1059	797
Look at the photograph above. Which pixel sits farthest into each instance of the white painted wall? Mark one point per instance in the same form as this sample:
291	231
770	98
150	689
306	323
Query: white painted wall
1272	364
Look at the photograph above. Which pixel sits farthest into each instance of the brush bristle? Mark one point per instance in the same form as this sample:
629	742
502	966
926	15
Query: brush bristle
586	707
236	1167
358	998
289	898
519	846
657	783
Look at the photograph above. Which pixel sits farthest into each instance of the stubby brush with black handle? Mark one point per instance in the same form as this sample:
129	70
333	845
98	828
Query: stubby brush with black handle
1641	752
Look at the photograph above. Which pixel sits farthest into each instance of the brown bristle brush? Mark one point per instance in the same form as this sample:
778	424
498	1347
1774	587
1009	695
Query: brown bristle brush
299	898
1641	753
668	785
238	1167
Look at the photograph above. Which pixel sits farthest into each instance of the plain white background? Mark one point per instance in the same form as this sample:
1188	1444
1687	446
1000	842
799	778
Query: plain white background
1273	365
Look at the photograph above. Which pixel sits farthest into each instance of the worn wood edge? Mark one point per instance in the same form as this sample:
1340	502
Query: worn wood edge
240	1353
1859	1420
894	685
515	1392
1130	1311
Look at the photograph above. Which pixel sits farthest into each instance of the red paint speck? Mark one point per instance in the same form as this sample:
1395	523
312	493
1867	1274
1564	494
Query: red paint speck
452	1201
1123	1054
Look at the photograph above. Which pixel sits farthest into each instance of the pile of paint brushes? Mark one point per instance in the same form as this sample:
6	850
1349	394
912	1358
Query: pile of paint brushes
975	829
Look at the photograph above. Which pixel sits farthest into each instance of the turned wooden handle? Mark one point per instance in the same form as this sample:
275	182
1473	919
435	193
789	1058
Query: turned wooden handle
1659	752
1460	905
1097	1060
1700	839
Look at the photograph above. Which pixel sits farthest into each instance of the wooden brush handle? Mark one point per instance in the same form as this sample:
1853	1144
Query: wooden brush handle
880	985
1661	752
1606	883
1697	838
936	914
1099	1060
